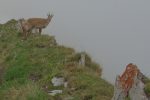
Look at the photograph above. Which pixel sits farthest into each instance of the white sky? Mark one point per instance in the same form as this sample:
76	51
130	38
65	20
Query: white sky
113	32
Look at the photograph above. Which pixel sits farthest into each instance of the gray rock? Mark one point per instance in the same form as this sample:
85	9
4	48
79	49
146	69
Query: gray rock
65	84
54	92
118	91
137	90
135	93
82	59
58	81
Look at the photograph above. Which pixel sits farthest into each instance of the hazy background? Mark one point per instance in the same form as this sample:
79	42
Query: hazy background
113	32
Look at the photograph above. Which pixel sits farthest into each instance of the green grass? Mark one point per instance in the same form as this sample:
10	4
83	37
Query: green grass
42	58
27	91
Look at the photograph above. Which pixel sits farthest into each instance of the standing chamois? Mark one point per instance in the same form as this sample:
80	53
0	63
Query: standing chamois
25	27
40	23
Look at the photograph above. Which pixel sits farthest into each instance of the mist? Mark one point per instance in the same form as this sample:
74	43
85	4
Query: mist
113	32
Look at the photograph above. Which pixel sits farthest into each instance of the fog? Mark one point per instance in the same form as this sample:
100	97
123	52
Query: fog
113	32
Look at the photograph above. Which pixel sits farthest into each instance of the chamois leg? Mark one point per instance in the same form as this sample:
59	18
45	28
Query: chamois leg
36	30
40	30
26	33
23	34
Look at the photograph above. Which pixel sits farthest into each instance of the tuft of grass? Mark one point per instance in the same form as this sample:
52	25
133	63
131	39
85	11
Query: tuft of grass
147	89
99	87
27	91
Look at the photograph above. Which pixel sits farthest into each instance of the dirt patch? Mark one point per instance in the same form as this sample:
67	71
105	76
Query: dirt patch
1	73
35	77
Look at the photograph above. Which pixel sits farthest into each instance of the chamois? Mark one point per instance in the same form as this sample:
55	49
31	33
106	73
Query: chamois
40	23
25	27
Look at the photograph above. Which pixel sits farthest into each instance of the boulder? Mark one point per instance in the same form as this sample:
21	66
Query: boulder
58	81
54	92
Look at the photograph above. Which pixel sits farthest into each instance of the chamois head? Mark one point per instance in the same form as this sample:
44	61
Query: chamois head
50	16
20	23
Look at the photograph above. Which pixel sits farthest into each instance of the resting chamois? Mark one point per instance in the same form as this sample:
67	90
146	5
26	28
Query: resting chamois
40	23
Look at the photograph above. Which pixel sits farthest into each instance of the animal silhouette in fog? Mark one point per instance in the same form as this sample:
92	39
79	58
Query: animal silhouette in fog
25	27
40	23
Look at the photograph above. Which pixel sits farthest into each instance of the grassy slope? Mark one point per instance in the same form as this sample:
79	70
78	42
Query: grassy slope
27	67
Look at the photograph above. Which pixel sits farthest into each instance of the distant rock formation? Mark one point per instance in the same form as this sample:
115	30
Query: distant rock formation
82	59
137	90
129	84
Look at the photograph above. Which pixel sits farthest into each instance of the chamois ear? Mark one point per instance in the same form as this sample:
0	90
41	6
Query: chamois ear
50	15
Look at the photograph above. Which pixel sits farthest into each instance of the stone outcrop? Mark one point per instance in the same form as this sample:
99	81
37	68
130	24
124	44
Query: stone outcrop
118	91
129	84
54	92
82	59
137	90
59	81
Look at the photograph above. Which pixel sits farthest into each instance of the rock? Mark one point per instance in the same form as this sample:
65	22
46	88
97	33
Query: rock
130	84
65	84
118	91
54	92
137	90
82	59
58	81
